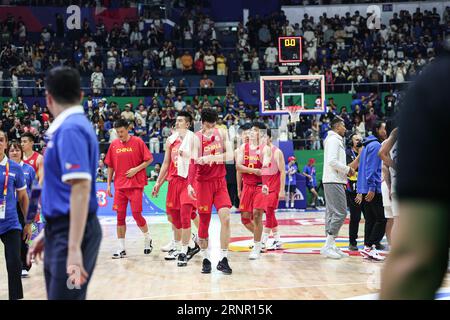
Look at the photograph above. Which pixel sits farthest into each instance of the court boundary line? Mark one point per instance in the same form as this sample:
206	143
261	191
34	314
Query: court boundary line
253	289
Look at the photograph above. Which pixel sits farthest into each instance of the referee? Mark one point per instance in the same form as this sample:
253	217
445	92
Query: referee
72	233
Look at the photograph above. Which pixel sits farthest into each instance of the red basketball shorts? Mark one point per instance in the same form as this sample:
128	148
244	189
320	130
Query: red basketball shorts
132	195
272	200
212	192
252	198
177	194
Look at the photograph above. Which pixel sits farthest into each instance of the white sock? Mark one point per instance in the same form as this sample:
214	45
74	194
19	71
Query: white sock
147	235
276	235
177	245
257	245
184	249
205	253
265	237
121	244
223	253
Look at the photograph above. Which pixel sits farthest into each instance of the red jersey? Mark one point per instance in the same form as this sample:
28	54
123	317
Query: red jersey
252	159
271	174
32	161
124	156
173	171
211	146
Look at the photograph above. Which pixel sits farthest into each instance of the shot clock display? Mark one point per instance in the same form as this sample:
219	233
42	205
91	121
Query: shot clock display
290	50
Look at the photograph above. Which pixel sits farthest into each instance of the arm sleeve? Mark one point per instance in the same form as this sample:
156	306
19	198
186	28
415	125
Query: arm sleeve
192	172
73	154
19	181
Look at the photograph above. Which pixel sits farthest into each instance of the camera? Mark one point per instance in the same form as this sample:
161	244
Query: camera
359	144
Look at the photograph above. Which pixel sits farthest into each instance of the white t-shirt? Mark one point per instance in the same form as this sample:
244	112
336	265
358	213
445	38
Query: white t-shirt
209	62
97	79
271	54
120	83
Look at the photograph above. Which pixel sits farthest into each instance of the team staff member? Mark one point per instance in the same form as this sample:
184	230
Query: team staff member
15	153
127	158
72	232
12	181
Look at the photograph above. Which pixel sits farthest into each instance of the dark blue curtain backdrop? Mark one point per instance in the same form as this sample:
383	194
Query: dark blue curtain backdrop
223	11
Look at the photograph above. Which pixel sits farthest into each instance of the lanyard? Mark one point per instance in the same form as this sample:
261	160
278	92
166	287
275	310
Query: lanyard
5	186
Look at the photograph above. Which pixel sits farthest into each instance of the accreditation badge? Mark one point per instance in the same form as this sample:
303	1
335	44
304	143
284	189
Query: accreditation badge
2	209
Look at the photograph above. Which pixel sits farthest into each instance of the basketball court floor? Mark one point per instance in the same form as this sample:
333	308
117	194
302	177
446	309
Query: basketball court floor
295	272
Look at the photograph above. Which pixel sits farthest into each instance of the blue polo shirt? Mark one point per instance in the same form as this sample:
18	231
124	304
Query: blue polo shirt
72	153
16	182
30	176
312	172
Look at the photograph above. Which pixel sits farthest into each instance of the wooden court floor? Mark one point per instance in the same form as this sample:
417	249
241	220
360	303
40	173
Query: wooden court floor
296	272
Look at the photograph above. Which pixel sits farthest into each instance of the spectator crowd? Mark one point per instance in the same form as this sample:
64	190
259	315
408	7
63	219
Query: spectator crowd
134	58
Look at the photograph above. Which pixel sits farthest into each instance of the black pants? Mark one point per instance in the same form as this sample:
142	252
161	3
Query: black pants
375	226
55	258
355	217
11	240
24	245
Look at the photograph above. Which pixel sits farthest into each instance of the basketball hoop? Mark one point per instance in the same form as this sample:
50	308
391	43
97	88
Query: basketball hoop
294	112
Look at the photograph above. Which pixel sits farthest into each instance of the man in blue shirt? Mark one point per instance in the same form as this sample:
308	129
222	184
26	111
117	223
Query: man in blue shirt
309	171
69	204
13	190
369	193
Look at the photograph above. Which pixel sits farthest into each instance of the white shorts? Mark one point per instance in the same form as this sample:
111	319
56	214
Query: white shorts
390	204
394	204
385	194
388	214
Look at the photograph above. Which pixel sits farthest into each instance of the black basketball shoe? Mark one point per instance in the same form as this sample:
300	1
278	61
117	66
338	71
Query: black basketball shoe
206	266
182	260
192	251
224	266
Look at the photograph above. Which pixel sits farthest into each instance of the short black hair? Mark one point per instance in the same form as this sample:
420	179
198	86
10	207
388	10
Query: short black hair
209	115
121	123
376	127
185	114
259	125
28	135
269	132
64	84
245	127
336	120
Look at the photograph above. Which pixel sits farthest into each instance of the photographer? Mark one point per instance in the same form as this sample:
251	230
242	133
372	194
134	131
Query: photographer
352	152
102	172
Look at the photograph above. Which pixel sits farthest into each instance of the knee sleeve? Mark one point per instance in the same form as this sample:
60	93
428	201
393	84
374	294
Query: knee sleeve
271	220
203	227
186	215
245	221
176	219
121	216
193	213
140	221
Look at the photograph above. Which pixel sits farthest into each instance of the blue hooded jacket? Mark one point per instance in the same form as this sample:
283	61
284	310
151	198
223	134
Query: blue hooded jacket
369	170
